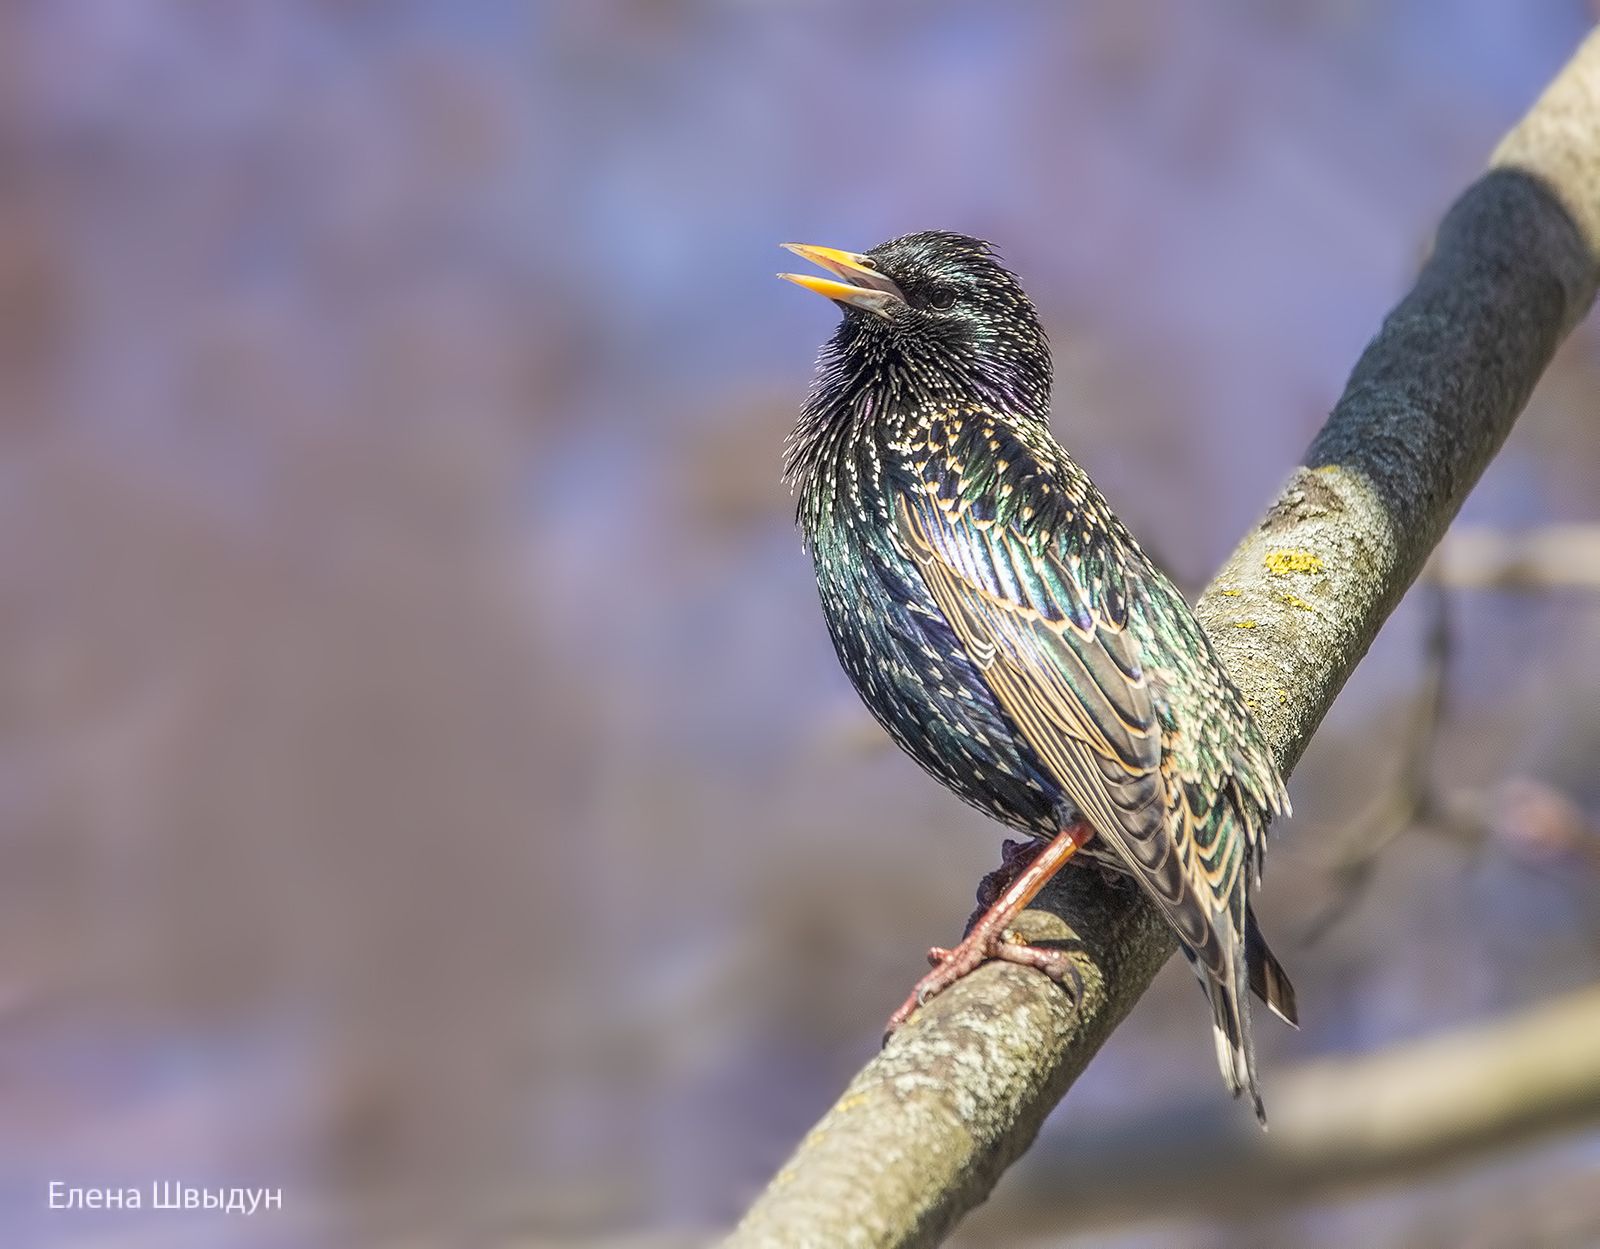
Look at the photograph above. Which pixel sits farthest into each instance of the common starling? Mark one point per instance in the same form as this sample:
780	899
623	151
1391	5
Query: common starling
1008	631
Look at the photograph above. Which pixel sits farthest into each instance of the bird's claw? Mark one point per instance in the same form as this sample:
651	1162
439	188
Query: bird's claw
1008	946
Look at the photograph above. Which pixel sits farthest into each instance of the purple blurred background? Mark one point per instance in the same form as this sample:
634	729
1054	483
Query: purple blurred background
426	783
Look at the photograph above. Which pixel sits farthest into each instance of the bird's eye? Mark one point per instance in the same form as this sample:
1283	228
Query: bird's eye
942	300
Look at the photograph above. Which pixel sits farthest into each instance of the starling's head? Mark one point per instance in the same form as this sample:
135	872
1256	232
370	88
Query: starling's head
937	306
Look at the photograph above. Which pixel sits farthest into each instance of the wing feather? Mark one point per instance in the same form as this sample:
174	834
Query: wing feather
1070	677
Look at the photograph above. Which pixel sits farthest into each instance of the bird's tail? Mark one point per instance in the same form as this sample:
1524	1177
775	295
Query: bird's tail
1268	980
1230	1008
1230	1023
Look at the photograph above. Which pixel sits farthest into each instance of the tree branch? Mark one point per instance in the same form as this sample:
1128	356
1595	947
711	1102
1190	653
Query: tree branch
1336	1124
925	1129
1554	557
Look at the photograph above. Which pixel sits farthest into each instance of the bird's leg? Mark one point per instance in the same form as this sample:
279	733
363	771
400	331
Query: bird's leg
991	936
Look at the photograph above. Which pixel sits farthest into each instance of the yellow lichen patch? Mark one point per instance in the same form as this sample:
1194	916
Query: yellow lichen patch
1231	593
1244	624
1282	563
1294	600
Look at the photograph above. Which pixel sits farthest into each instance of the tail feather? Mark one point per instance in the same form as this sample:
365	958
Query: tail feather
1230	1021
1230	1008
1268	980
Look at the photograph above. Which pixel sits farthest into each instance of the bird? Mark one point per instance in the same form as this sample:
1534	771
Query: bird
1008	631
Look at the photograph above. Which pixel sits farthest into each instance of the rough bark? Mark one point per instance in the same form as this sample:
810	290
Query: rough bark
925	1129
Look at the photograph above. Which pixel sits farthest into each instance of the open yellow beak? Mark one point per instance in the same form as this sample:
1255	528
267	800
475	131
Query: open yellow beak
860	284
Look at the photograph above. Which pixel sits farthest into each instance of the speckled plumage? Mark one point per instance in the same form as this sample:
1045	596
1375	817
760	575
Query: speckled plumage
1006	628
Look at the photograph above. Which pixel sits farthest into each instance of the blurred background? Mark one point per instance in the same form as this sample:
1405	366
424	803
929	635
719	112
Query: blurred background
425	782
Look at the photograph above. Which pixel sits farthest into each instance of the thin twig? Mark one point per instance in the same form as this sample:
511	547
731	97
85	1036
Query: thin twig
1411	798
1551	557
1539	561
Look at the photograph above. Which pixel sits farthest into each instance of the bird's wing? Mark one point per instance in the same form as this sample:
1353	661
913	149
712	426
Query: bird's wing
1067	670
1229	779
